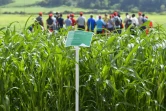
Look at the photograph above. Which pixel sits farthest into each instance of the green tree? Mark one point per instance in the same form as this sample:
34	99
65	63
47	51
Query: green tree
125	5
162	7
3	2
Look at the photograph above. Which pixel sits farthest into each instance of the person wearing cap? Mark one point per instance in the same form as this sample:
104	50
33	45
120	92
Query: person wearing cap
73	21
50	22
81	22
39	19
60	22
140	18
68	22
91	23
99	24
55	21
117	23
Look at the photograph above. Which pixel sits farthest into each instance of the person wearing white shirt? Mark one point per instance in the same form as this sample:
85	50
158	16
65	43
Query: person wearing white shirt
54	22
134	20
140	18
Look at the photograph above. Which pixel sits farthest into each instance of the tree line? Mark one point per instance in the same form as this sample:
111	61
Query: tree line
122	5
3	2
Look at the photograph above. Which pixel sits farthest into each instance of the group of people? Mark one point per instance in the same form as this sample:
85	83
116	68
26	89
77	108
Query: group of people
134	21
113	23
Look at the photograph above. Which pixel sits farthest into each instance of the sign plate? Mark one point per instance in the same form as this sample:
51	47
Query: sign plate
79	38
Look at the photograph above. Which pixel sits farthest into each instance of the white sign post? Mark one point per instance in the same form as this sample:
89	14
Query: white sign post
77	79
76	39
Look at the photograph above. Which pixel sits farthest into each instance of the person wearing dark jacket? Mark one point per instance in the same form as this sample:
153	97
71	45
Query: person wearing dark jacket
50	22
60	22
39	19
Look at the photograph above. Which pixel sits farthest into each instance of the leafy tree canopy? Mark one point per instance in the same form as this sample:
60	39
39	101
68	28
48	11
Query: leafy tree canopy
125	5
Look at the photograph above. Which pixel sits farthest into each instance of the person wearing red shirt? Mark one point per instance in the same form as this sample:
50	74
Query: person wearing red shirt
73	21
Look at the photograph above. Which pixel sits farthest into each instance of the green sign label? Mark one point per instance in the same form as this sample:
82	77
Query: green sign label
79	38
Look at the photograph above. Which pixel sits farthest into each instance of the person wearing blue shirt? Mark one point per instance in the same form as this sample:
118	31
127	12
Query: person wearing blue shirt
91	24
99	23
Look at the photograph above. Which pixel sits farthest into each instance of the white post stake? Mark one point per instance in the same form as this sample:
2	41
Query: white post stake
77	80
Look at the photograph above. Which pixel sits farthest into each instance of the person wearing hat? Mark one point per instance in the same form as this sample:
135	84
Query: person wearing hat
50	22
68	22
73	21
39	19
99	24
91	23
81	22
117	23
55	20
140	18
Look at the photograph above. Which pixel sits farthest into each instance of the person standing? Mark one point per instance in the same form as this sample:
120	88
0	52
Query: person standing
121	24
81	22
134	20
126	19
105	21
73	21
91	24
140	19
128	23
117	23
60	22
50	23
54	20
39	19
99	24
105	18
110	24
68	22
144	19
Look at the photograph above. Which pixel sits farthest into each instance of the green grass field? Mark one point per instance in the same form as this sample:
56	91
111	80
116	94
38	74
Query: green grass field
7	19
21	6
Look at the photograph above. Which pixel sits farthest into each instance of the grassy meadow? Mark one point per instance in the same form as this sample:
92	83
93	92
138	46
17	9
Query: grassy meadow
30	7
6	19
24	6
